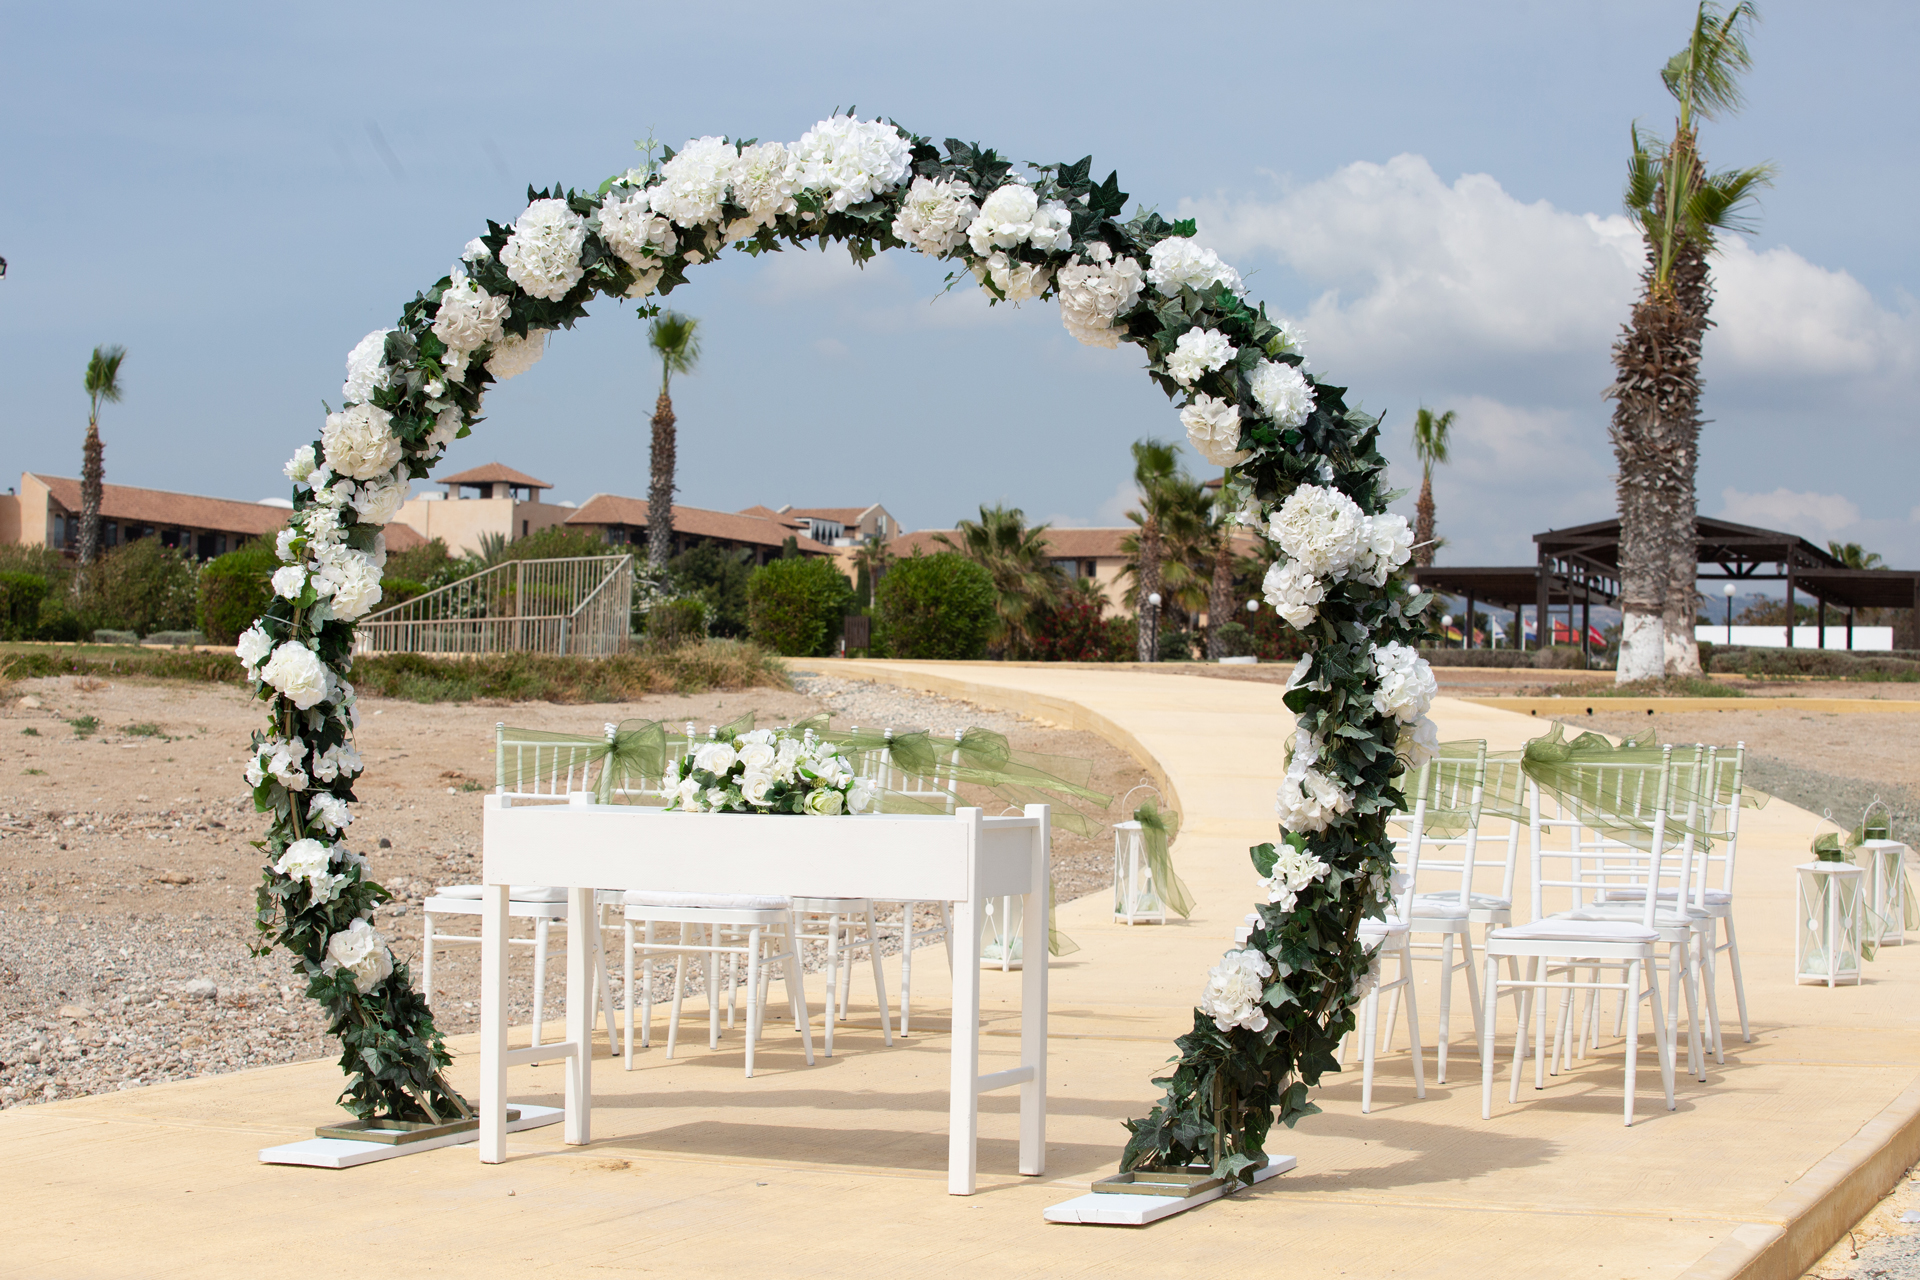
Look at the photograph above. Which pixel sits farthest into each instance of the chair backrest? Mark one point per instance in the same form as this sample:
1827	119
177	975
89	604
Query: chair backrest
526	767
937	788
1447	794
1726	778
1612	797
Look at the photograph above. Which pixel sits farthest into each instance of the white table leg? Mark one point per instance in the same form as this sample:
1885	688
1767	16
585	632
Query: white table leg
583	944
1033	1006
493	1023
963	1120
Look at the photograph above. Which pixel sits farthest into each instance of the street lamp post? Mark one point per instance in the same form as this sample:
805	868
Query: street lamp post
1446	622
1728	590
1153	626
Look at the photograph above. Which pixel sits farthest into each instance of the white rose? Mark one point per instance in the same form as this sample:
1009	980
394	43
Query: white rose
755	786
1096	291
1197	352
513	355
753	737
289	582
1320	529
1282	392
824	802
255	644
301	464
543	254
1177	261
756	757
1213	429
367	369
362	951
715	757
469	316
297	672
935	215
687	795
1294	593
359	442
860	796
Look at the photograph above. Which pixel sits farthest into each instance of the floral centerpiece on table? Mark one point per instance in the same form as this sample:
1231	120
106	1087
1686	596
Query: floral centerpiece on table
767	771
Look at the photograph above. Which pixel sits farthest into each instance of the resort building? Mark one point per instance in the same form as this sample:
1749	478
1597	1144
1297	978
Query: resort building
487	500
46	512
1078	553
757	530
835	526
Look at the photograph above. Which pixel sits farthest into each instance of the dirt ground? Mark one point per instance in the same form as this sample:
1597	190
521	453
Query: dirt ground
127	876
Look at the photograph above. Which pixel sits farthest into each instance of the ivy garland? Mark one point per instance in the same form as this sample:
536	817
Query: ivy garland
1304	468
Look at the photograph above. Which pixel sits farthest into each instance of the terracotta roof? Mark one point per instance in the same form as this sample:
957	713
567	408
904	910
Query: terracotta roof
840	515
493	473
766	513
695	522
178	510
403	537
1062	544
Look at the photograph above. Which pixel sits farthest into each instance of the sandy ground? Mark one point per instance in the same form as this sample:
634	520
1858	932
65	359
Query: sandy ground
127	876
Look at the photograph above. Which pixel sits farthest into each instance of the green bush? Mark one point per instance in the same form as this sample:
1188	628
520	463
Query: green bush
431	565
235	589
1122	638
398	590
794	607
1071	631
141	586
718	576
939	606
1236	641
20	597
678	622
1175	645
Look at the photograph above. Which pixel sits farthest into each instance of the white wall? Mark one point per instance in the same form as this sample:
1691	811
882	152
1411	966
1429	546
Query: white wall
1867	638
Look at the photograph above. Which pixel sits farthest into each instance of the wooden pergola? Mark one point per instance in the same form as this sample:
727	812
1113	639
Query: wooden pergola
1581	566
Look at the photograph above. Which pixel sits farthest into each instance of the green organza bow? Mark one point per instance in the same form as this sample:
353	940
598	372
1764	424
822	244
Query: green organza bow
1158	827
1615	789
627	756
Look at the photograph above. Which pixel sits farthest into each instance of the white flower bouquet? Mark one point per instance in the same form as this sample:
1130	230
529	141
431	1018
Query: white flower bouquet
767	771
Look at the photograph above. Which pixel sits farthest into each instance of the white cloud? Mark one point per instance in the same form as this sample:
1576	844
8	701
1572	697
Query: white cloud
1789	510
1780	315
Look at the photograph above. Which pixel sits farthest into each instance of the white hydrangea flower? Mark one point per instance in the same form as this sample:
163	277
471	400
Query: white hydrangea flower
331	812
469	316
1406	687
446	428
1197	352
1297	678
349	579
379	501
1095	291
850	161
543	254
335	762
301	464
476	251
311	861
279	758
1294	593
935	215
1234	988
1420	743
297	672
1213	429
361	950
1013	215
1319	529
764	178
643	239
359	442
514	355
289	581
367	369
1386	543
1292	341
1178	261
254	648
1017	281
1294	871
1309	801
1282	392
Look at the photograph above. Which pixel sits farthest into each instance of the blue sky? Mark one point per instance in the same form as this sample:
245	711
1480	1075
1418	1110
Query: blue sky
238	193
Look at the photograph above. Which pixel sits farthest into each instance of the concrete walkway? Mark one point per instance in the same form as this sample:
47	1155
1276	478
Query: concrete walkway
838	1170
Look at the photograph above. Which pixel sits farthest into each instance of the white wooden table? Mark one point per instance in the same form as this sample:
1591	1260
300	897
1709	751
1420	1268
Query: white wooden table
965	859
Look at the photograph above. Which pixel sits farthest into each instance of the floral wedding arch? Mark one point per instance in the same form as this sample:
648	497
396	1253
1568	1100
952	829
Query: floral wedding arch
1304	470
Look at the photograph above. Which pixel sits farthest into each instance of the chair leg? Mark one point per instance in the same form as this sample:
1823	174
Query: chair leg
1369	1022
753	992
426	960
1666	1075
833	974
710	969
1487	1019
1710	970
907	912
1468	967
1739	985
946	933
603	984
1541	970
796	989
627	972
1385	1043
879	976
679	986
1413	1021
646	990
539	975
1632	1011
1446	1006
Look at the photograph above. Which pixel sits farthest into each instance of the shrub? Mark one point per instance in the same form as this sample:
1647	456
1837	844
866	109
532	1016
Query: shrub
399	590
677	622
718	576
142	586
429	565
235	589
1274	639
1235	640
1071	631
938	606
1175	645
794	606
20	597
1122	638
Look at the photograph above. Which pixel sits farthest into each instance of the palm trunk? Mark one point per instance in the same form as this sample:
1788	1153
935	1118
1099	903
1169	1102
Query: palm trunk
1220	593
1656	442
660	491
1423	521
92	473
1149	583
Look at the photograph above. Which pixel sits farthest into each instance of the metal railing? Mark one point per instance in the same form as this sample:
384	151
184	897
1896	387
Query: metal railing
577	606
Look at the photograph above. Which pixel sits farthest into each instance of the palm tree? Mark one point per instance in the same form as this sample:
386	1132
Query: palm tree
103	384
675	339
1855	556
871	560
1220	593
1025	579
1680	208
1430	439
1155	466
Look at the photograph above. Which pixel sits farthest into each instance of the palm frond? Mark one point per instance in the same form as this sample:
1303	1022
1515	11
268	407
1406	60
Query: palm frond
1704	77
103	374
675	338
1644	165
1726	201
1431	436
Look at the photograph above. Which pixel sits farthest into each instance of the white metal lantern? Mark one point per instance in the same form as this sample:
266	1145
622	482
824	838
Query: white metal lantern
1830	902
1136	898
1887	867
1000	930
